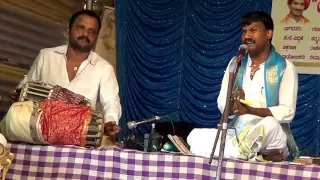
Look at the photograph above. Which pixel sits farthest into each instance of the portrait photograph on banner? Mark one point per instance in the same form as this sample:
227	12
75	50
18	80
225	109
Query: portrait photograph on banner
296	35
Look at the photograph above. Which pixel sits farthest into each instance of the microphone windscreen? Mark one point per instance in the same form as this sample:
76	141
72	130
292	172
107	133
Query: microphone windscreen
243	49
131	124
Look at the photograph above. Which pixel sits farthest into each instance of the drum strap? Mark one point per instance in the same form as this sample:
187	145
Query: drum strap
34	128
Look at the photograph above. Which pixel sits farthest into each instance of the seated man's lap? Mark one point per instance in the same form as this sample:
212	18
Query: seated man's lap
201	140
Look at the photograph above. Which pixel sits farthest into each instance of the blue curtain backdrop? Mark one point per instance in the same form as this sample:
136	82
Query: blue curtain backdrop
172	55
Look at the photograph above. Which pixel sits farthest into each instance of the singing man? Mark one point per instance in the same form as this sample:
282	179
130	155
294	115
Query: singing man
269	83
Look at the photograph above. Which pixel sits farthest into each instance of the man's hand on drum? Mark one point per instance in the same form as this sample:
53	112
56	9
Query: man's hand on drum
111	128
15	95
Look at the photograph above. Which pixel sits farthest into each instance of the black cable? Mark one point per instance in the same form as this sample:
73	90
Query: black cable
173	130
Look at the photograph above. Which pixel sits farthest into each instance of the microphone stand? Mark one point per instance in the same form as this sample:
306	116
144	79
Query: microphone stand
131	141
150	140
223	126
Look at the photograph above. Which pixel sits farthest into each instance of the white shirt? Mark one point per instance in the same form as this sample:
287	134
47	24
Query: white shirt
95	79
254	92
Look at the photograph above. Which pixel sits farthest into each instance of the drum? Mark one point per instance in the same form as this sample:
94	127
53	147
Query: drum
40	127
27	122
93	132
38	91
35	91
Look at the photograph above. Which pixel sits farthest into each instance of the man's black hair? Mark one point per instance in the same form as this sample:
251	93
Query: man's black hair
256	16
86	12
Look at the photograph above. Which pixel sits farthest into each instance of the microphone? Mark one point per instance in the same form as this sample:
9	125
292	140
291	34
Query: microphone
133	124
235	61
243	50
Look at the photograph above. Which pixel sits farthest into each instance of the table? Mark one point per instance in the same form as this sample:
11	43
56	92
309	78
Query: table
71	162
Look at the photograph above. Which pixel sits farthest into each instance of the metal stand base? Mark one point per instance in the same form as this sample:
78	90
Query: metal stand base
224	127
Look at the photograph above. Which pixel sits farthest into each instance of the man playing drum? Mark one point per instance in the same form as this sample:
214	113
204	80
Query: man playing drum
80	70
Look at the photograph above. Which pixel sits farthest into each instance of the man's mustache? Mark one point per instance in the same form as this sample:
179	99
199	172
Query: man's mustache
297	9
84	38
249	40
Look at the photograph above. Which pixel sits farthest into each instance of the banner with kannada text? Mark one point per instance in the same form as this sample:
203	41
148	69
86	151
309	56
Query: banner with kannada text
297	33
